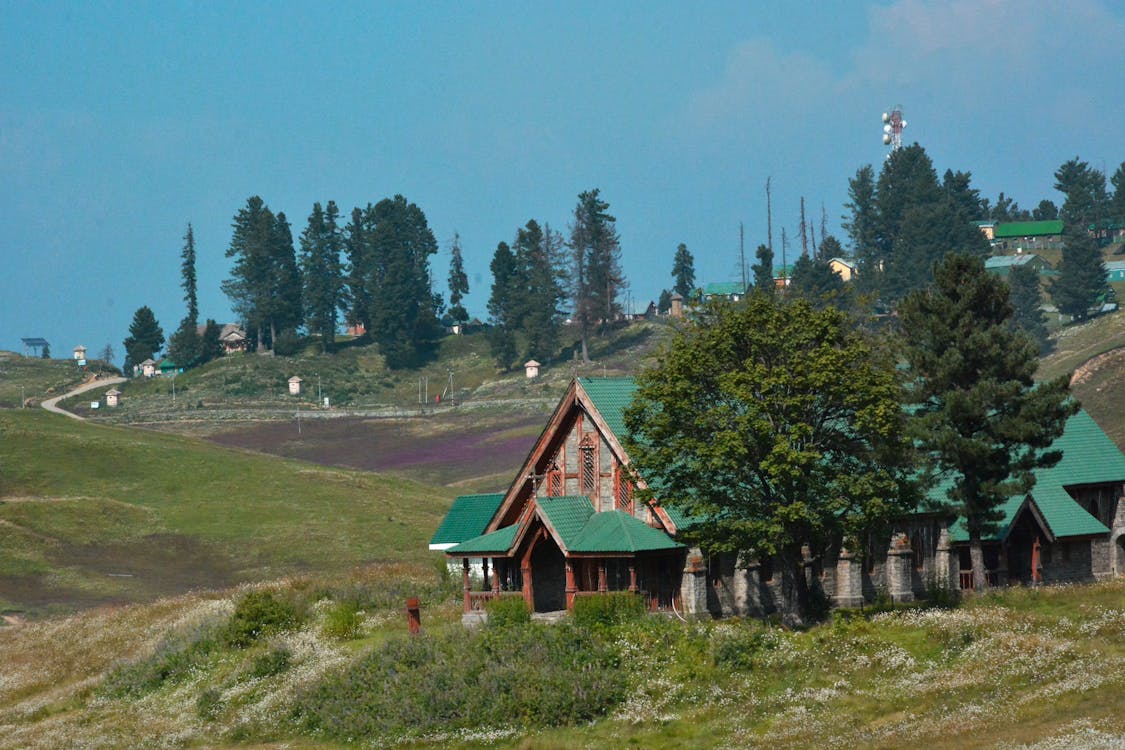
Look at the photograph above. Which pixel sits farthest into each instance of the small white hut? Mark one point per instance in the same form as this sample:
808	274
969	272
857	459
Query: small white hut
531	367
112	396
294	386
80	352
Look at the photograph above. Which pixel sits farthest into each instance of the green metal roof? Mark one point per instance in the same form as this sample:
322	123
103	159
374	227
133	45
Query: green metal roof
610	396
1089	457
998	261
467	518
497	543
724	289
617	531
1027	229
567	515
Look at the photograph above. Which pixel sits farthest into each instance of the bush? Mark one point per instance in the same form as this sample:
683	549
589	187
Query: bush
738	650
940	594
258	614
533	676
274	661
209	704
507	611
172	662
343	620
607	610
287	343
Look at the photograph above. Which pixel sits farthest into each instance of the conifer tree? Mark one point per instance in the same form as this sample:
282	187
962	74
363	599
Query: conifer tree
321	244
980	418
183	346
683	272
144	340
664	304
210	346
596	275
763	270
541	271
1082	273
1027	304
862	229
503	305
458	283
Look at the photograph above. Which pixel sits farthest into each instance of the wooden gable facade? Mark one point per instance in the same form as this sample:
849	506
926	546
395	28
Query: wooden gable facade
569	525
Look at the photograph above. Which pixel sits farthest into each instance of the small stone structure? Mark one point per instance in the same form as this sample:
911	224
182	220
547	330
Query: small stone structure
294	386
112	397
531	368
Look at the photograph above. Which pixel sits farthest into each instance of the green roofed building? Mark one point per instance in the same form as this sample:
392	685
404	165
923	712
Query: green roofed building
1027	235
570	526
1002	265
732	291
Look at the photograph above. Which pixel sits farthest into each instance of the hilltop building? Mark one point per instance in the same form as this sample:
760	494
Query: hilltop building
569	526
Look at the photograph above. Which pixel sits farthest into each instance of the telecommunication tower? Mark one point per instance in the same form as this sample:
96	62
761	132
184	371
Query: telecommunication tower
893	125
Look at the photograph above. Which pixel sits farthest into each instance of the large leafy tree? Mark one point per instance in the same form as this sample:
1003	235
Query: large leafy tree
980	419
683	272
776	424
183	346
322	273
145	338
1082	273
595	268
458	283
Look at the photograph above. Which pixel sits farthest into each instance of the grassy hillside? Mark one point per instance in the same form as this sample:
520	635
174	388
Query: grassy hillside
1041	669
34	379
92	514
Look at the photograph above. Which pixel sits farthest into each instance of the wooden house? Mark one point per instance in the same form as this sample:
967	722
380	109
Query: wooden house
569	526
148	368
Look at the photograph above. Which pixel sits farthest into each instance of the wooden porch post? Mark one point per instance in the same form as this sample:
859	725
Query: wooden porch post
571	588
603	586
484	567
465	584
633	576
496	579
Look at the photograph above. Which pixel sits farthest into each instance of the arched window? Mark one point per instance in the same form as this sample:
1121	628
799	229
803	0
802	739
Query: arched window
589	473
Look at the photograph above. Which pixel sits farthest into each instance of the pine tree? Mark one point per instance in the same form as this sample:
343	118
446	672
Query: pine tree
145	338
1027	304
183	346
862	229
1086	204
664	305
596	274
980	418
1082	273
210	347
322	273
540	267
683	272
763	270
360	275
402	303
458	283
284	309
1117	203
503	305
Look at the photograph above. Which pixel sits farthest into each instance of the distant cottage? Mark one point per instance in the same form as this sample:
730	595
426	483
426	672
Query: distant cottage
569	526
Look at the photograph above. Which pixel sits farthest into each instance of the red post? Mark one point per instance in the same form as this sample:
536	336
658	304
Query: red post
571	586
414	615
465	585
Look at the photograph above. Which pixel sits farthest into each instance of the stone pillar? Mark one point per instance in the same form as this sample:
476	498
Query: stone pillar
849	580
947	563
900	559
693	588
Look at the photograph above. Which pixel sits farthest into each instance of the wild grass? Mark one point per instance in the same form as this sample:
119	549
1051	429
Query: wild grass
1041	668
34	379
92	514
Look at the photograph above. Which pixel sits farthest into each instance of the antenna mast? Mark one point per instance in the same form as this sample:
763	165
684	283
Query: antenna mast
893	125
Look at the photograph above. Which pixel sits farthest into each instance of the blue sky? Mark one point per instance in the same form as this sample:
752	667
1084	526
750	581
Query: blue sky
122	122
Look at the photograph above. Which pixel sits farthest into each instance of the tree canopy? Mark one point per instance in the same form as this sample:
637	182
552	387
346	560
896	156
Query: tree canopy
145	338
595	268
776	424
683	272
322	242
980	418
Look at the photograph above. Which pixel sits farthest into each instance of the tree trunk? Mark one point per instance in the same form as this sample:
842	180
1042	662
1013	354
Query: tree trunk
976	555
585	350
261	342
794	604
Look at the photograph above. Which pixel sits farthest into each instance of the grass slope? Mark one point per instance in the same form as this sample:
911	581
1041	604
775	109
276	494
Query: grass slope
1034	669
92	514
34	379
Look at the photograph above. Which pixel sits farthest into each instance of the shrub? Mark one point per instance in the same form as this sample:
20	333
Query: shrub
507	611
209	704
533	676
606	610
274	661
738	650
258	614
940	594
287	343
172	662
343	620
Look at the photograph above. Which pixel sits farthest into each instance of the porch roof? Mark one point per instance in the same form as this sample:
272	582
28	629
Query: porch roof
1089	457
467	518
497	543
617	531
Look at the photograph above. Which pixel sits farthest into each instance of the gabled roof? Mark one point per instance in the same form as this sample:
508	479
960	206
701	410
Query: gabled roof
466	519
611	396
724	289
1028	229
1001	261
1089	457
577	529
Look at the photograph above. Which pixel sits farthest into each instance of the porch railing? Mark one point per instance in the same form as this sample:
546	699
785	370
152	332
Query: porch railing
992	577
478	599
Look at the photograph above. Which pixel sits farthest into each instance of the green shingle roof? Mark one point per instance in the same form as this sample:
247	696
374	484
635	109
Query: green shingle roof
567	515
1089	457
724	289
467	518
610	396
1027	229
497	543
617	531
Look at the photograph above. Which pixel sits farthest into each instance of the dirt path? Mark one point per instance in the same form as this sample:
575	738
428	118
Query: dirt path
51	404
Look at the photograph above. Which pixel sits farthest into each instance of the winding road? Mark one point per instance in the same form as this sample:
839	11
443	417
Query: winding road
51	404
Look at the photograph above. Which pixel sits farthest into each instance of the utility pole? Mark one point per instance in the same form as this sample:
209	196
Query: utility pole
769	218
742	254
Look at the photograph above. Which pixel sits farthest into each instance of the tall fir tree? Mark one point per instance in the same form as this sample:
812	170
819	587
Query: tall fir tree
862	229
145	338
683	272
210	345
285	303
763	270
322	272
359	274
1081	280
1027	304
458	283
184	344
1117	202
402	303
980	419
541	269
1086	204
503	305
595	268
